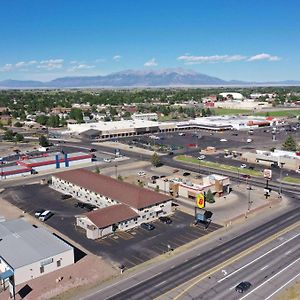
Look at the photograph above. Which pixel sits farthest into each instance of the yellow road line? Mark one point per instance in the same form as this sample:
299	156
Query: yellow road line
231	260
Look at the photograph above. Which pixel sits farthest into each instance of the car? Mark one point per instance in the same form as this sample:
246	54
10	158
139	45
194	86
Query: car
243	286
93	150
165	220
235	134
246	176
186	174
148	226
249	140
108	160
175	171
45	215
64	197
201	157
171	153
38	212
181	134
223	140
141	173
297	171
251	168
154	177
243	166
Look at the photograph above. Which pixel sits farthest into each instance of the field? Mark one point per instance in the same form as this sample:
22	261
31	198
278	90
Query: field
208	164
228	111
291	179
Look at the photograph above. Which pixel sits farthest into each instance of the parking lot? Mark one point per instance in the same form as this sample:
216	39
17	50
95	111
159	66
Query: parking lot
127	248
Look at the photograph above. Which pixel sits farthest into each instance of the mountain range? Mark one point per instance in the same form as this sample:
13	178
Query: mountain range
137	78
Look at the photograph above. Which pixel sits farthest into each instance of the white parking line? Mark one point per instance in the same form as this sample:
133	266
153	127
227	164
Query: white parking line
263	268
161	283
256	259
282	270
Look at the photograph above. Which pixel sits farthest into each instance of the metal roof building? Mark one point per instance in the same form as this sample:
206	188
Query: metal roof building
29	251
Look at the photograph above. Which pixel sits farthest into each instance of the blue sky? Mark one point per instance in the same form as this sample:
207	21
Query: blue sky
233	39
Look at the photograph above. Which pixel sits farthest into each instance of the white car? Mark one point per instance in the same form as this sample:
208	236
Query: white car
201	157
108	160
181	134
141	173
223	140
243	166
297	171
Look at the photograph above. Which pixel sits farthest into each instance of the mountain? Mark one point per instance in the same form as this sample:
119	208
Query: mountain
137	78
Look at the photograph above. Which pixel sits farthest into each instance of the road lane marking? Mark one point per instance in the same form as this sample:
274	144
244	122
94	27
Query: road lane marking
259	257
282	286
263	268
282	270
161	283
217	268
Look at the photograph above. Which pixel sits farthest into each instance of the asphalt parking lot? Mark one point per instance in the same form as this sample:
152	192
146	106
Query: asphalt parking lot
127	248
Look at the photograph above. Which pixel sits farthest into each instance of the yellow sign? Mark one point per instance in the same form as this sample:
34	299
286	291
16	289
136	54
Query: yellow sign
200	200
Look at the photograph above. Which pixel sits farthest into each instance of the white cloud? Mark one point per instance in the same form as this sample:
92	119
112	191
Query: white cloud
51	64
81	67
7	68
117	57
151	63
191	59
264	56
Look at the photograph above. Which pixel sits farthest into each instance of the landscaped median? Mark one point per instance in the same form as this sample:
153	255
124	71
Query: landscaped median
209	164
289	179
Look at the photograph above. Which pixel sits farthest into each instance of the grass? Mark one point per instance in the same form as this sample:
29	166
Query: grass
209	164
230	111
275	113
291	179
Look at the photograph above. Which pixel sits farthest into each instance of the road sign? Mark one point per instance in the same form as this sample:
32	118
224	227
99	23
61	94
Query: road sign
200	200
267	173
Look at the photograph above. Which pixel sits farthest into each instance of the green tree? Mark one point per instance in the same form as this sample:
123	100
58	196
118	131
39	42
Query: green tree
155	160
76	114
19	138
290	144
43	141
97	170
53	121
18	124
8	135
42	119
120	178
209	197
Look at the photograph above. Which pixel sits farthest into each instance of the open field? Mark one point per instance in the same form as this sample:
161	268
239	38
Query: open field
229	111
209	164
291	179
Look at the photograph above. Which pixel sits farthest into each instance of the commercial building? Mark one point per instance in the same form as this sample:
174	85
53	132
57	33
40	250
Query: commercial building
191	187
232	95
121	205
27	251
145	116
56	161
14	171
243	104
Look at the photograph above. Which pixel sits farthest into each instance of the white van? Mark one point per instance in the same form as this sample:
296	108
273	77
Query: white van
45	215
249	140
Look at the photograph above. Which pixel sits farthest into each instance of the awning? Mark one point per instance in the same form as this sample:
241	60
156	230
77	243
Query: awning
6	274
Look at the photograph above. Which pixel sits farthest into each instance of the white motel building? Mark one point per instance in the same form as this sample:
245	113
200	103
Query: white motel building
121	205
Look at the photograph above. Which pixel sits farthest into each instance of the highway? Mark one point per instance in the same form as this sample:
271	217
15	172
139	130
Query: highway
152	285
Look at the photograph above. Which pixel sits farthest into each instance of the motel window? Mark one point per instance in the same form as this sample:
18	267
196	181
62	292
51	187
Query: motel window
58	263
42	269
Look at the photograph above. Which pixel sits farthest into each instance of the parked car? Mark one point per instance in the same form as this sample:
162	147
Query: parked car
223	140
235	134
181	134
186	174
38	212
45	215
154	177
243	166
175	171
108	160
148	226
141	173
251	168
201	157
93	150
64	197
165	220
243	286
297	171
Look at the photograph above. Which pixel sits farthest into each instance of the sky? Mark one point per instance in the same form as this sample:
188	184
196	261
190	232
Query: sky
256	40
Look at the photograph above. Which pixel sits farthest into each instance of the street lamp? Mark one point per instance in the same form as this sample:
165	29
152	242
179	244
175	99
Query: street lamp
280	180
116	169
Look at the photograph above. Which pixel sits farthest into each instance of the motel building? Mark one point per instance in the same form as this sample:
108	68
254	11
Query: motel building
121	206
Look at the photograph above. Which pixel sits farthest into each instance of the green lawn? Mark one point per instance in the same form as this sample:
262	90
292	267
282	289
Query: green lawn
229	111
291	179
280	113
209	164
275	113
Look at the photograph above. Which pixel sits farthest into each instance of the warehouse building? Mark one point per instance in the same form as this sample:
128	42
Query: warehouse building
14	171
27	251
121	205
191	187
56	161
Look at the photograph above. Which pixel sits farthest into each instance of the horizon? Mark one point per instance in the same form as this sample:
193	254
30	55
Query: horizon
96	39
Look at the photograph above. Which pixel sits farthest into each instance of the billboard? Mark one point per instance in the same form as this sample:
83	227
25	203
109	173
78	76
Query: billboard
200	200
267	173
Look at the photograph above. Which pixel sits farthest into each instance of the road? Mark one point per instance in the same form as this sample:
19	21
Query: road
269	269
155	284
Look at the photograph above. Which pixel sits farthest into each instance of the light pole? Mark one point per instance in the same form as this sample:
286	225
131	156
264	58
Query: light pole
280	179
116	170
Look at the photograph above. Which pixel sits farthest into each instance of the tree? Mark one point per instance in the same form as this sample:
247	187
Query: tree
120	178
76	114
155	160
8	135
18	124
209	197
19	137
42	119
97	170
289	144
53	121
43	141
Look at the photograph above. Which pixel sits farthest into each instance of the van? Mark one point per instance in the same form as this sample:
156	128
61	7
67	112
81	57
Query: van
45	215
249	140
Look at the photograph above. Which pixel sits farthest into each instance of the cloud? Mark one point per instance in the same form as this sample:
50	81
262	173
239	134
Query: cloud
101	60
151	63
51	64
191	59
264	56
81	67
7	68
117	58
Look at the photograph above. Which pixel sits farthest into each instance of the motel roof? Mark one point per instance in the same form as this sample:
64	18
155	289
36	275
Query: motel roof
110	215
117	190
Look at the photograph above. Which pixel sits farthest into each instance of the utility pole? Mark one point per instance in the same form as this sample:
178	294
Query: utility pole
280	179
116	170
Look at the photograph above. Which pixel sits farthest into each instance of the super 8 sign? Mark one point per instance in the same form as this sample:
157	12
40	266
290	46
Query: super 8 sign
200	200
